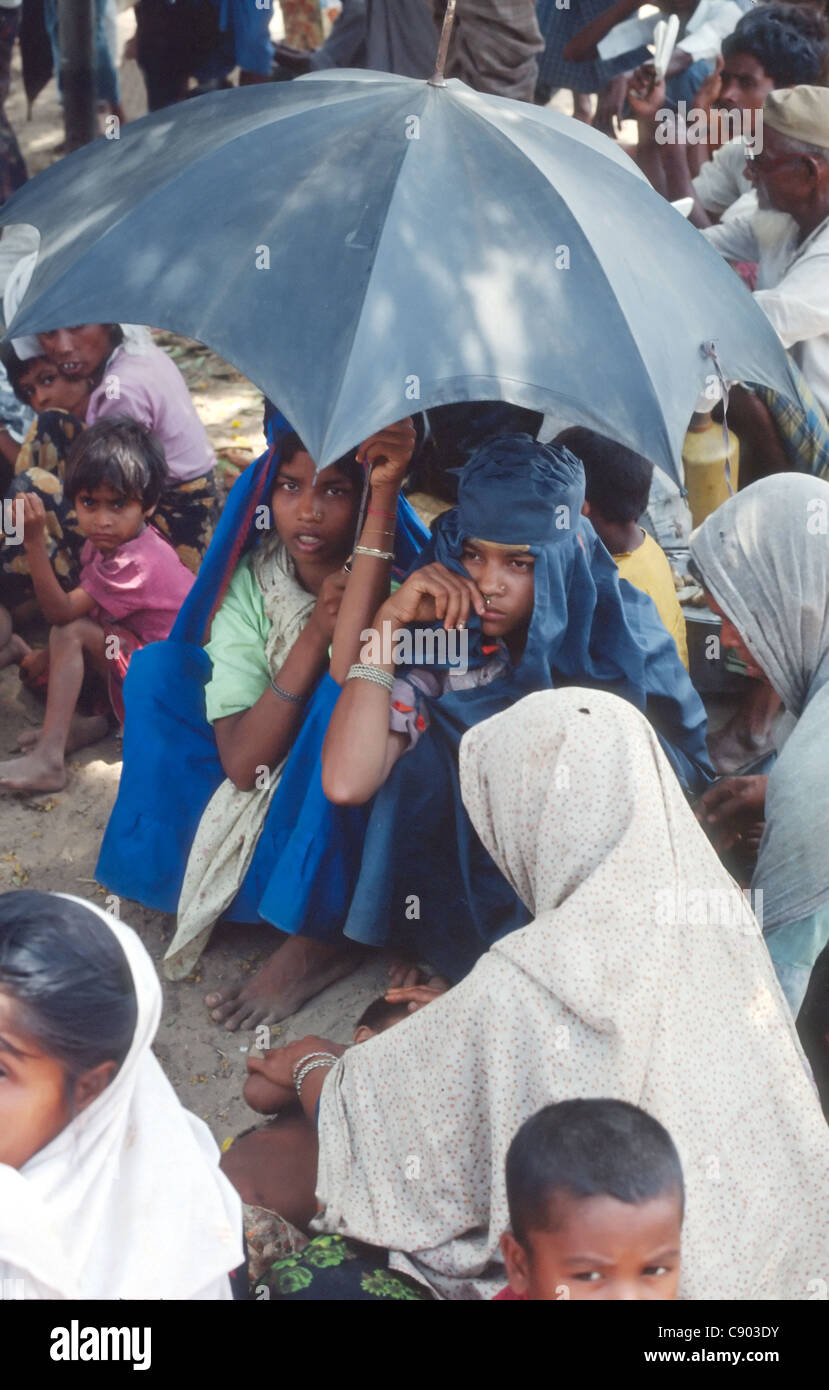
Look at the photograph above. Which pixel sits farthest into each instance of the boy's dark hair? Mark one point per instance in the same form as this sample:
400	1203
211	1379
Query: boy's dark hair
291	444
121	454
790	42
617	481
380	1013
587	1148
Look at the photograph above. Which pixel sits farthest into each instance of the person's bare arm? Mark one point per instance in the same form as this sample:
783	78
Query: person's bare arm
57	606
664	163
261	736
388	453
583	44
360	749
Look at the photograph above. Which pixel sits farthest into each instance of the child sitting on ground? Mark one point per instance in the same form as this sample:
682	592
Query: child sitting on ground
131	587
618	485
596	1200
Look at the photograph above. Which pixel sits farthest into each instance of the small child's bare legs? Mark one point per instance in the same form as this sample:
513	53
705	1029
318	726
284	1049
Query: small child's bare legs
12	647
70	647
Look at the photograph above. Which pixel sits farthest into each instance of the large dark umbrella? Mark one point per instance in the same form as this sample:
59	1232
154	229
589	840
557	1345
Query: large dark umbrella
363	245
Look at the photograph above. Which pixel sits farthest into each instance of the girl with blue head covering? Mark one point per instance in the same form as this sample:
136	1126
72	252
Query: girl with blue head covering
519	574
220	811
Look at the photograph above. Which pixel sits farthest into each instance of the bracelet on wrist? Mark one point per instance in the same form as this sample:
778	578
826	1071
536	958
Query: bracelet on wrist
376	554
300	1063
323	1060
364	671
286	695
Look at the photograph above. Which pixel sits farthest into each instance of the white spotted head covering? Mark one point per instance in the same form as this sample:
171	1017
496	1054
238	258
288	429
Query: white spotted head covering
642	977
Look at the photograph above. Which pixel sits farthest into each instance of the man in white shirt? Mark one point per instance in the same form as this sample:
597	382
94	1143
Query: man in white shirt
773	47
788	237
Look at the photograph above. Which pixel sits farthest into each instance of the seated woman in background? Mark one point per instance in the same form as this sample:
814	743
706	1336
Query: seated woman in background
763	559
518	562
130	376
109	1188
625	984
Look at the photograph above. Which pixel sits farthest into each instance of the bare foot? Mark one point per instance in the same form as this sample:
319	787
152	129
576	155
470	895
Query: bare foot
14	651
292	975
84	730
37	772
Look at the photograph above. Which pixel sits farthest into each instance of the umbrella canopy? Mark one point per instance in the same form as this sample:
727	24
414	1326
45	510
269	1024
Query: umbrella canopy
362	246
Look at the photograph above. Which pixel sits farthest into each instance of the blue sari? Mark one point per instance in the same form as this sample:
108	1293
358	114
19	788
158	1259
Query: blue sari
427	885
307	857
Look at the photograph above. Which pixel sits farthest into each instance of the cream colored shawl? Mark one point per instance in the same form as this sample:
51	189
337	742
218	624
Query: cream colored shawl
633	981
232	821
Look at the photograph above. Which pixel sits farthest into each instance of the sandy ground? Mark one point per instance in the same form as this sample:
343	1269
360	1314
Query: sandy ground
51	842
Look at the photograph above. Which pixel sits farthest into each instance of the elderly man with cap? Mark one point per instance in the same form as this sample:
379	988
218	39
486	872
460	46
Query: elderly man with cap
788	236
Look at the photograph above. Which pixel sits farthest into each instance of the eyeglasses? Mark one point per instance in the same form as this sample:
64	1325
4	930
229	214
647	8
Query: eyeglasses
763	163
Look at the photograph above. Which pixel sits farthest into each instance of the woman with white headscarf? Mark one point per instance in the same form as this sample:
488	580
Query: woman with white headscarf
763	557
642	977
109	1189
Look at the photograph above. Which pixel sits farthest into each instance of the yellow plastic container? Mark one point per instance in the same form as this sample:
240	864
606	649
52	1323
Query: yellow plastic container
703	458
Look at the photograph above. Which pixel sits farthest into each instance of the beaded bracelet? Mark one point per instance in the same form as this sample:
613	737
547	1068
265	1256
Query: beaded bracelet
287	696
378	554
364	671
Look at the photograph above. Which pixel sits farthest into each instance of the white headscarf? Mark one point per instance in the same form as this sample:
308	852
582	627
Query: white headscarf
764	556
627	984
137	340
128	1201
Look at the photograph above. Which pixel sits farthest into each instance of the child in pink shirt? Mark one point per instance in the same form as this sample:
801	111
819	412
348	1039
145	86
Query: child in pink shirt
131	587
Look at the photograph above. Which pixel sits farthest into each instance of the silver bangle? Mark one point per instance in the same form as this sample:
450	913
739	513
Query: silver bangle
300	1063
329	1061
378	554
364	671
287	696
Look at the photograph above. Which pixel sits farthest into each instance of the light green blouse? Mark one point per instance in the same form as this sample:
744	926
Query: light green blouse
236	648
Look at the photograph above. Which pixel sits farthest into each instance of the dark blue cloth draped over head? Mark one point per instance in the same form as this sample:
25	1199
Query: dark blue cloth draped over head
426	882
306	859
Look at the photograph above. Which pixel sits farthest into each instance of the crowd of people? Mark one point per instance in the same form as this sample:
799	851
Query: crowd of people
601	1066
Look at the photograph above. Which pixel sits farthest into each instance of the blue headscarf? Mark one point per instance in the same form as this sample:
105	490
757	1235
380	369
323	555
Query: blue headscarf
306	859
427	883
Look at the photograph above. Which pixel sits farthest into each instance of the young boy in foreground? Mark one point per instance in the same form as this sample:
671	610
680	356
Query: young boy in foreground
596	1199
618	485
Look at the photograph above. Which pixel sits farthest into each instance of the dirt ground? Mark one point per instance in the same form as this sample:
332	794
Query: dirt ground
51	842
